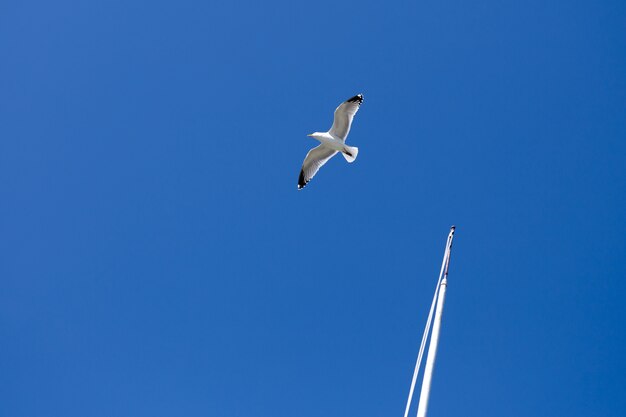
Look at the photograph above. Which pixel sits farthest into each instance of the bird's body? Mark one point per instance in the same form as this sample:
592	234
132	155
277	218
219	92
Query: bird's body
329	141
332	141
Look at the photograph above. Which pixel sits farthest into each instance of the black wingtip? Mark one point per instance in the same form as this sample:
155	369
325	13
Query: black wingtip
301	181
356	99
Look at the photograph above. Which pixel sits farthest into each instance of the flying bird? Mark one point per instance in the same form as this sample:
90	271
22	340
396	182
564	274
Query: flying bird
332	141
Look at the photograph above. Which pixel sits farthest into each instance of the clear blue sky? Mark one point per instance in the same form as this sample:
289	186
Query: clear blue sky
156	258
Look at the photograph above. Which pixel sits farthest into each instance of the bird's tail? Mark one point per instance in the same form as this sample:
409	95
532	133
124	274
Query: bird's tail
350	153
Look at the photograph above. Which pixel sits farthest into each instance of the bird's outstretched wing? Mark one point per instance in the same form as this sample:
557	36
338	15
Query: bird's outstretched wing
344	115
314	160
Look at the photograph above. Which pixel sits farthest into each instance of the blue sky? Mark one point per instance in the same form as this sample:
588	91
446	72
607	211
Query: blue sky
157	260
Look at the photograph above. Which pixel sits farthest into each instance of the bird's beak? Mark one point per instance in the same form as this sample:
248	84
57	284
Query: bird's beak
310	134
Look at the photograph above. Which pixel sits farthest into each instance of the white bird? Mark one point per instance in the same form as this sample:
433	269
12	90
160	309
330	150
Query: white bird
332	141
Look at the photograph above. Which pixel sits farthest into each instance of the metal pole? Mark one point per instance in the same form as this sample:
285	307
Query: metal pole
434	338
428	326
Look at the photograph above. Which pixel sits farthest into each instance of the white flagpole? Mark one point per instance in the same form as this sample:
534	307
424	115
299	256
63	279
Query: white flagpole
434	338
428	326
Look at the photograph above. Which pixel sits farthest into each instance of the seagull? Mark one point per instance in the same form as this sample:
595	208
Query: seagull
332	141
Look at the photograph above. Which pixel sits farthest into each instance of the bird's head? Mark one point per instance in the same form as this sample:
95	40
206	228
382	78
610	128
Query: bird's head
314	134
